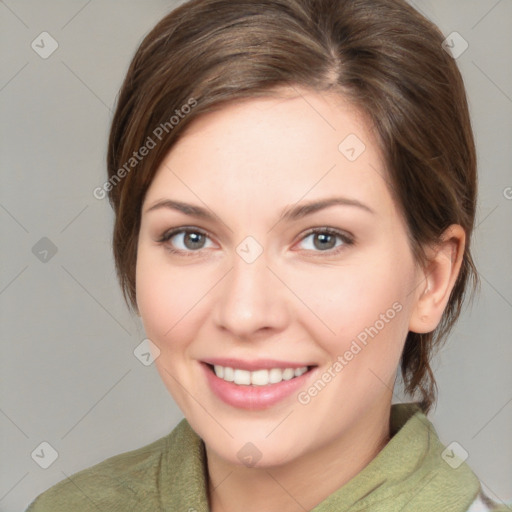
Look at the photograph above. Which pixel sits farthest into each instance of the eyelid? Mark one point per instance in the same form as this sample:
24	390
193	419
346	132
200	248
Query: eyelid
187	229
347	238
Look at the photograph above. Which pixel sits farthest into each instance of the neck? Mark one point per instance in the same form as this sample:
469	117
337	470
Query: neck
305	481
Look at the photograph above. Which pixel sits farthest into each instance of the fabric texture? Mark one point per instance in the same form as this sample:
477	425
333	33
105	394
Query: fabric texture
410	474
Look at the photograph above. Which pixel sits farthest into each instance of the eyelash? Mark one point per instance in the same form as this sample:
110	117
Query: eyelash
346	239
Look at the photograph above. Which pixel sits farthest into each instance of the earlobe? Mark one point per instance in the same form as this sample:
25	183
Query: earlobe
438	279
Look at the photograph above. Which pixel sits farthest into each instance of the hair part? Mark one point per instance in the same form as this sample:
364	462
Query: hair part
381	55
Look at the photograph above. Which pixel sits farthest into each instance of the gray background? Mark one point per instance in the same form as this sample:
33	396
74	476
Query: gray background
69	375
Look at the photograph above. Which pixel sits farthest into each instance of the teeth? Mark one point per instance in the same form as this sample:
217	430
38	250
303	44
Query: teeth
258	377
300	371
242	377
275	375
229	374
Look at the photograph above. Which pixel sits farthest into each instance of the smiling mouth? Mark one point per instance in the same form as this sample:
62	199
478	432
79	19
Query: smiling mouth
262	377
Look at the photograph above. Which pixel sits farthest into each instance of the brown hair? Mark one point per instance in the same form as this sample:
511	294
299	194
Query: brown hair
381	55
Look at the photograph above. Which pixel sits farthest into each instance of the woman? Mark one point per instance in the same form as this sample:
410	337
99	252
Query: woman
294	186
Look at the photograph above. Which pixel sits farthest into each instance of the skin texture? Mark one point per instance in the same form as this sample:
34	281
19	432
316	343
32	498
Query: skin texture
299	300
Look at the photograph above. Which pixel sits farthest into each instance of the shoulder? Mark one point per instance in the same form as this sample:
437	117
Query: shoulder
120	483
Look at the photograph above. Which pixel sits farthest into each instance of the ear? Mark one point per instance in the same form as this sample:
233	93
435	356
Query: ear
437	280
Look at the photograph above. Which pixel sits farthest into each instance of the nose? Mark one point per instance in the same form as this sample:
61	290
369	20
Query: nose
251	300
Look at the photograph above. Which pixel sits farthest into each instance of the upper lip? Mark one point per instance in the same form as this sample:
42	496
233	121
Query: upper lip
255	364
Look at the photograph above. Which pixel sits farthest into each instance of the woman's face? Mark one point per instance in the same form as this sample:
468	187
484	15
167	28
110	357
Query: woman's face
248	286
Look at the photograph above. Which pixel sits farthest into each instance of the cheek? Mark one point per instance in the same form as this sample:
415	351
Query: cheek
160	297
171	300
361	313
363	301
356	298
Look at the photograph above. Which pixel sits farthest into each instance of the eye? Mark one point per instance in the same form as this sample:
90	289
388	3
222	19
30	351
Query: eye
192	240
188	240
324	240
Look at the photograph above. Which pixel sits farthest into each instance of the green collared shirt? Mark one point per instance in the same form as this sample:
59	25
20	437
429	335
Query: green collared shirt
413	472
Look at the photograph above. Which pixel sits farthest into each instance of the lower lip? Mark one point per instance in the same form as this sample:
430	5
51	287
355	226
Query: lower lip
253	397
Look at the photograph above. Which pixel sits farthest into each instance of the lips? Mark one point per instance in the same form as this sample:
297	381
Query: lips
257	364
261	394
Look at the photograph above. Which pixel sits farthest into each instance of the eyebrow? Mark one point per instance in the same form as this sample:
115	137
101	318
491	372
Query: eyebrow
288	214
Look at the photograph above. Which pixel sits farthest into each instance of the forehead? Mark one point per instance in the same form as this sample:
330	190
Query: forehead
299	144
285	120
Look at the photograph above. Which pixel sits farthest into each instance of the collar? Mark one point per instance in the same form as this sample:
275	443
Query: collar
410	473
